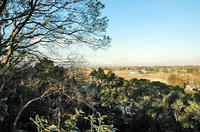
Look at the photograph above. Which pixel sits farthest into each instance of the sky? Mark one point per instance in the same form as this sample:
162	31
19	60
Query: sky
150	32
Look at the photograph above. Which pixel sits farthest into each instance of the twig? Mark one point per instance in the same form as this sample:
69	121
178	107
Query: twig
25	106
1	89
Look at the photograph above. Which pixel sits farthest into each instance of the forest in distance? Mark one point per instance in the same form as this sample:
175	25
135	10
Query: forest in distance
43	91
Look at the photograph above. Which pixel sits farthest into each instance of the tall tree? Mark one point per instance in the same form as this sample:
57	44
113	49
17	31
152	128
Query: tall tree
25	25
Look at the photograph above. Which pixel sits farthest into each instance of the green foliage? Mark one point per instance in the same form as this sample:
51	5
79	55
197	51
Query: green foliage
71	123
154	102
96	123
136	104
42	125
24	84
187	115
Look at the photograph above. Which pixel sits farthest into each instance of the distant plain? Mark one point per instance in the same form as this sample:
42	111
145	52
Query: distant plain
153	73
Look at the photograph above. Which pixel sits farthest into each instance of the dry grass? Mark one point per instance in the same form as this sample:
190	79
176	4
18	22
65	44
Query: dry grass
124	71
162	77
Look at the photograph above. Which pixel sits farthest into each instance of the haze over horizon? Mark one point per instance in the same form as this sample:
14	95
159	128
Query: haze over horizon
152	32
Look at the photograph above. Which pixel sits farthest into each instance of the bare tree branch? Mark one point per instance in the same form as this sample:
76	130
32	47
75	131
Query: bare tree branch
26	105
54	22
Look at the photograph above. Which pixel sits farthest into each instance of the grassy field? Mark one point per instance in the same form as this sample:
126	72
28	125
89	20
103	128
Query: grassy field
154	73
162	77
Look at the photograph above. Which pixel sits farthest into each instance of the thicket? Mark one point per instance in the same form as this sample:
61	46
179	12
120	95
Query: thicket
141	105
52	96
49	97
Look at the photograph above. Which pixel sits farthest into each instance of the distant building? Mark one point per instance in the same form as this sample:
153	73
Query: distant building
134	73
191	88
162	69
185	71
144	71
89	69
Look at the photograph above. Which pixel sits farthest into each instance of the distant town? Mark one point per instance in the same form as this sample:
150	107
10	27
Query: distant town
187	77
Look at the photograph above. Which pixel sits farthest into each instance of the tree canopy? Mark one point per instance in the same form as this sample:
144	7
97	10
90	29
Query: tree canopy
27	24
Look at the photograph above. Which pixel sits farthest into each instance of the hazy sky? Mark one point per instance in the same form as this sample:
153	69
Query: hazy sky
150	32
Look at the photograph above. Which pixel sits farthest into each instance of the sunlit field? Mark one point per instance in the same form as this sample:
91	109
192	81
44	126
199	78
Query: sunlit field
153	73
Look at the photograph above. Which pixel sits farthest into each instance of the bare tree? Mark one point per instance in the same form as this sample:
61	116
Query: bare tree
27	24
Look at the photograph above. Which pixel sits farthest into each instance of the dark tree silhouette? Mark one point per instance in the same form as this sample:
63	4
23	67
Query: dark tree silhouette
27	24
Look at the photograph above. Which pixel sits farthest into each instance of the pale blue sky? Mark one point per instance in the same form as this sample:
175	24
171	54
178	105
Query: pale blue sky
150	32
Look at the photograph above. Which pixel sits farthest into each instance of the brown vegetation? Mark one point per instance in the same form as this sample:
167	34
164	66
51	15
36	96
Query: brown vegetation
182	74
